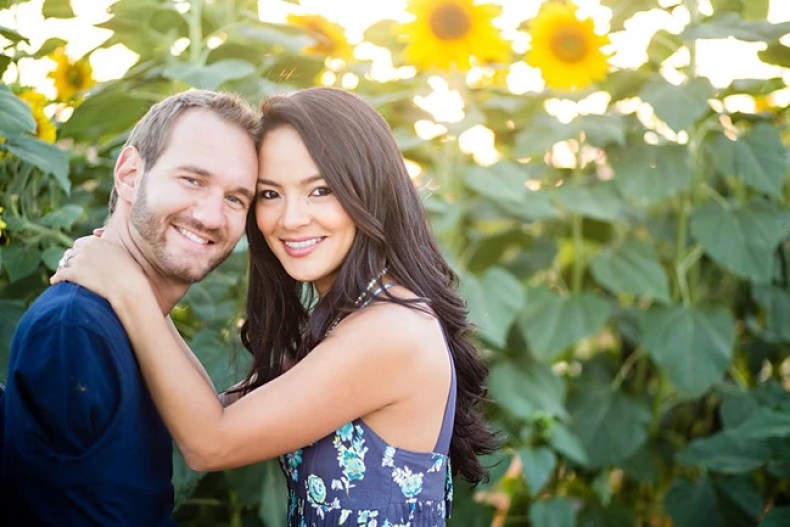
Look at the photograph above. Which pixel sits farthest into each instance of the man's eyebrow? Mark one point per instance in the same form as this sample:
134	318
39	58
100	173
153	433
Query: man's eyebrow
192	169
305	181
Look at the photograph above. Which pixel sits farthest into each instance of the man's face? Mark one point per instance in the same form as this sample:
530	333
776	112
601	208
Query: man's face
190	207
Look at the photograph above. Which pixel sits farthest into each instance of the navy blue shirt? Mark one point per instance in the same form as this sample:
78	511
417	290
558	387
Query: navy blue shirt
83	442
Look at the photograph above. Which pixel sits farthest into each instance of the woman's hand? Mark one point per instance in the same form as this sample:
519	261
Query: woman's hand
101	266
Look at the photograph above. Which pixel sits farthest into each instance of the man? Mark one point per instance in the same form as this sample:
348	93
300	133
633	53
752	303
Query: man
84	444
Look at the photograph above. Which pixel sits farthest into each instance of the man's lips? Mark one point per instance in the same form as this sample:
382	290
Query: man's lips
193	236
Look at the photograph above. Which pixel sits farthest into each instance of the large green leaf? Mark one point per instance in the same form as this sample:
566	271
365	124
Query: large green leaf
730	24
663	45
523	390
758	157
503	181
57	9
551	323
215	355
212	76
612	425
778	517
11	34
599	200
776	302
553	512
651	174
64	217
494	300
742	238
15	115
724	503
185	480
693	346
568	444
678	106
726	452
20	261
108	112
538	466
631	268
764	423
776	53
49	158
545	131
273	508
622	10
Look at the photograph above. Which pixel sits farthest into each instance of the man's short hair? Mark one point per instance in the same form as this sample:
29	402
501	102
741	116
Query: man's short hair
151	135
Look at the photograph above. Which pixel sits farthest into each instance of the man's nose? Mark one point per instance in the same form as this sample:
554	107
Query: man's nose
210	211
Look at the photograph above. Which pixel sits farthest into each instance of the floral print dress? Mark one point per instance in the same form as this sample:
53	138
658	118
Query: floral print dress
355	478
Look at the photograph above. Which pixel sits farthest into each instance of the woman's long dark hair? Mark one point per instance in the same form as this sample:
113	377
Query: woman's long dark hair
355	151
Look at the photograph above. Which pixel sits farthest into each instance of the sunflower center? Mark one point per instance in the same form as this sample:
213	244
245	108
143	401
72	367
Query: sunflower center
75	76
569	45
450	22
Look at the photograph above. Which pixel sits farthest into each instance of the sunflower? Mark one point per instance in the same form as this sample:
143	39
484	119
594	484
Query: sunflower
70	77
45	130
330	38
566	50
453	33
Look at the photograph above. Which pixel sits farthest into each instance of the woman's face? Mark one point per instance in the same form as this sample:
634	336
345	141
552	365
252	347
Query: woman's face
300	218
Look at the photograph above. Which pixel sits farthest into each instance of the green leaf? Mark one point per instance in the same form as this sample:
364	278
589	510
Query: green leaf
10	313
109	111
599	200
622	10
185	480
632	268
212	76
693	346
273	508
731	25
742	238
214	354
494	300
758	157
523	390
764	423
568	444
611	425
57	9
778	517
11	35
503	181
551	323
52	256
602	130
49	45
15	115
49	158
678	106
545	131
553	512
64	217
725	452
776	302
777	54
651	174
662	46
247	482
724	503
20	262
538	465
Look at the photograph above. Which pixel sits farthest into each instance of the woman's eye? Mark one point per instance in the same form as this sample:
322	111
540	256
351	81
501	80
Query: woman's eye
321	191
267	194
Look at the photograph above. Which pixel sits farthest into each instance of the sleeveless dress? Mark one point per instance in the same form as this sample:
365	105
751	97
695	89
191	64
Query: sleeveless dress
354	477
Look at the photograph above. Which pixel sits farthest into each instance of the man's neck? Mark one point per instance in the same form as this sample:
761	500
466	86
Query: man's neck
166	291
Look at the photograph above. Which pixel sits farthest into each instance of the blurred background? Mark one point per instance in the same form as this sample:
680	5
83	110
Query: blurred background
607	177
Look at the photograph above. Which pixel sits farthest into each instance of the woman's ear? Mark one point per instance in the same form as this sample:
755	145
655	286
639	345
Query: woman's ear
128	168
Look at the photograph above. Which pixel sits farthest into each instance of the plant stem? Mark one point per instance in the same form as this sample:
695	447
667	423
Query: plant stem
577	226
693	10
195	30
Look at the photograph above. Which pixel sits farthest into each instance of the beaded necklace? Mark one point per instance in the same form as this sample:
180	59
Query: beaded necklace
358	302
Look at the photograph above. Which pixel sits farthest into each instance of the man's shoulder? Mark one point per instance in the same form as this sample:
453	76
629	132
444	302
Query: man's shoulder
70	304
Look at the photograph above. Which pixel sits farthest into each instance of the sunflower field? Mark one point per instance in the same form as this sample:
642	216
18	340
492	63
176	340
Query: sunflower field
622	232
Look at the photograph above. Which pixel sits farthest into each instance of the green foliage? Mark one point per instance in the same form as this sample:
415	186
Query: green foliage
632	302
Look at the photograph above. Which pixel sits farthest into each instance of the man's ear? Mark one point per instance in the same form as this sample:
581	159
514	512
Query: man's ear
128	171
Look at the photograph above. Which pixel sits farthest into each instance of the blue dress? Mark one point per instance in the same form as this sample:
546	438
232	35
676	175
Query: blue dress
354	477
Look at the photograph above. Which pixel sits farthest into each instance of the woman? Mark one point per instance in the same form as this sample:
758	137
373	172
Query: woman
362	411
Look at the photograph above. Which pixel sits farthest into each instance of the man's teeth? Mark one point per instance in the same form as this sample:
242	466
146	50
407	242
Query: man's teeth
303	244
192	236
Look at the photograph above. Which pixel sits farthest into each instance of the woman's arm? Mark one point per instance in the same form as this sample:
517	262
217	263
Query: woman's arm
350	374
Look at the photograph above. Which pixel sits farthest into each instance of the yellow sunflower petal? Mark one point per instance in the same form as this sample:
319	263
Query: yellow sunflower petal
565	49
453	33
45	129
330	37
71	78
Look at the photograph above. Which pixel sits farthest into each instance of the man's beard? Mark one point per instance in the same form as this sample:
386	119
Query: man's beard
152	229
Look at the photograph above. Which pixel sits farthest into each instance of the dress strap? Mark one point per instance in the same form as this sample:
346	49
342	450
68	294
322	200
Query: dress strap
448	421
